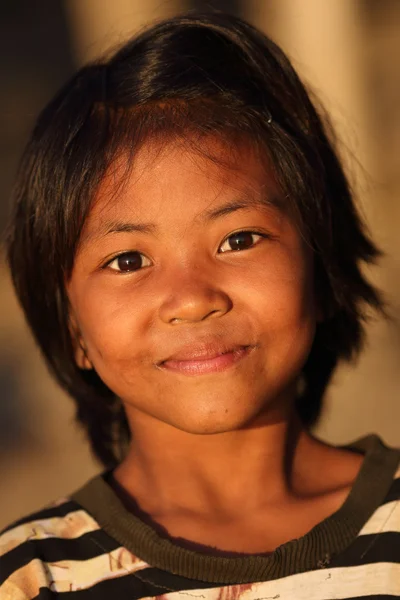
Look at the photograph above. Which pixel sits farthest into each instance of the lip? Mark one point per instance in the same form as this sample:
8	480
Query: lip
201	360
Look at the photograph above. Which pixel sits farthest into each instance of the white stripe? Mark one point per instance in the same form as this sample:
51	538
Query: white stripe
386	518
71	526
72	575
324	584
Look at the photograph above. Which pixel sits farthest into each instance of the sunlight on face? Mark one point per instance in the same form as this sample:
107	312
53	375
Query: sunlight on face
193	290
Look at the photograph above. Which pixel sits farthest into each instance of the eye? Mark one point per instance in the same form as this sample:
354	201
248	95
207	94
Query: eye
241	240
128	262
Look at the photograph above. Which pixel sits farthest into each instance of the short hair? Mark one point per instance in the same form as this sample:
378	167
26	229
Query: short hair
203	74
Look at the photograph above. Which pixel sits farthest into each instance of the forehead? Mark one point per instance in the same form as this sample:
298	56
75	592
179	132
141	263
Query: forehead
210	163
182	181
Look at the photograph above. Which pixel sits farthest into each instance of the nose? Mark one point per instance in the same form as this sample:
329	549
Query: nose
191	299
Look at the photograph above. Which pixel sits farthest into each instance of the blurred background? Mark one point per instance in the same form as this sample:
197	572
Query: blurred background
348	52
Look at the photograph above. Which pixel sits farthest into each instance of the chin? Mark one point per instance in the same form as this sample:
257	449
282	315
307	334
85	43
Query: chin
218	419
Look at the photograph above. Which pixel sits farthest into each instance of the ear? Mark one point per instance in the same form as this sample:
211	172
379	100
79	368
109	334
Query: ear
81	356
80	349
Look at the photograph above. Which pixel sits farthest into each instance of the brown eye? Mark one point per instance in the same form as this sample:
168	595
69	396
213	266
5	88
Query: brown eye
129	261
242	240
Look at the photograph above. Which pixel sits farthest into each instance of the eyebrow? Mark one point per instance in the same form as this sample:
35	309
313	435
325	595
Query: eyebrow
208	215
125	227
230	207
111	227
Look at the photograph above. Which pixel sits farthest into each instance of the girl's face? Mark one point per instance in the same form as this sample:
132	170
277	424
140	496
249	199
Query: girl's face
192	291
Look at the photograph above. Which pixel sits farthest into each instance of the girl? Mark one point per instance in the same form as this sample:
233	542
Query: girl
188	255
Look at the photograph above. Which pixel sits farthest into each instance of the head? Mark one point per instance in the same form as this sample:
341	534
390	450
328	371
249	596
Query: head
204	103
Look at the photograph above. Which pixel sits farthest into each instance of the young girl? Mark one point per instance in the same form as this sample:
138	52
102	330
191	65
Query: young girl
187	253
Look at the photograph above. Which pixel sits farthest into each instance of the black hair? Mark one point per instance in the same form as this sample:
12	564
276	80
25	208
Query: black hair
204	74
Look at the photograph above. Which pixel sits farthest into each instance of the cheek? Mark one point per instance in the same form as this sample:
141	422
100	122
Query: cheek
112	322
282	289
282	301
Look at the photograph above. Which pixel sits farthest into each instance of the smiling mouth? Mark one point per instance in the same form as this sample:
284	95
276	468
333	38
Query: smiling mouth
207	364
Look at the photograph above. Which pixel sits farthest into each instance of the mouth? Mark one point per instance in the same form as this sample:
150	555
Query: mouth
203	361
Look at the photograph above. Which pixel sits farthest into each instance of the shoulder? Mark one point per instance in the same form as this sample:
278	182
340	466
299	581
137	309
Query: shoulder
61	531
386	518
63	549
383	476
375	552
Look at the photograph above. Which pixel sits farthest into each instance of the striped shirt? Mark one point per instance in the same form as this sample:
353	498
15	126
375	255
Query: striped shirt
90	547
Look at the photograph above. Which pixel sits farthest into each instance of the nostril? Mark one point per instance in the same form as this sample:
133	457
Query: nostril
212	312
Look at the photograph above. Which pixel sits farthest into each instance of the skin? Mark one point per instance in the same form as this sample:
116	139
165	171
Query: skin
201	441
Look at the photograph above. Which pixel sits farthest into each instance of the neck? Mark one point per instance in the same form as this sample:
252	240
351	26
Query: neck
169	471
